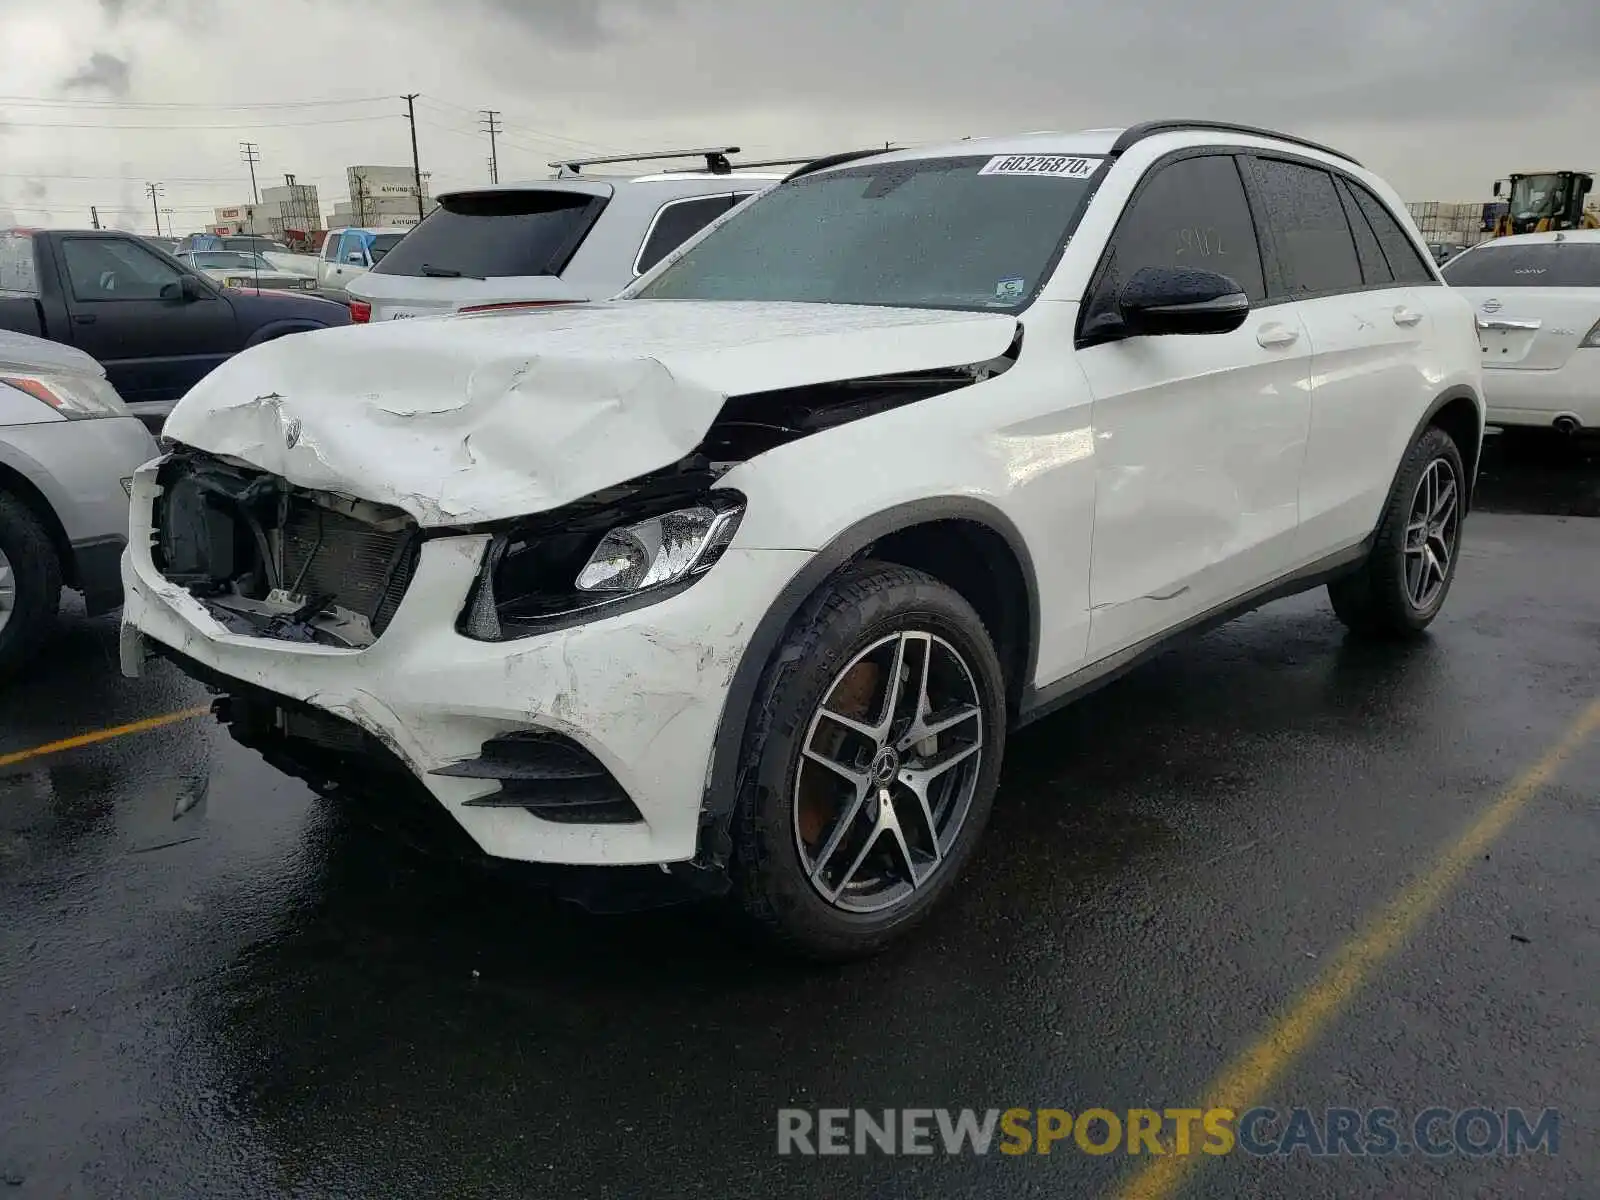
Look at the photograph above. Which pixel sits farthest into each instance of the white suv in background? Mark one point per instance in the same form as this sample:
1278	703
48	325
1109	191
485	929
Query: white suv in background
749	573
574	237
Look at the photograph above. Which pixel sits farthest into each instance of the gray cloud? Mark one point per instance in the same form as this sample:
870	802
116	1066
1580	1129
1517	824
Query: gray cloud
103	72
1075	63
35	190
114	8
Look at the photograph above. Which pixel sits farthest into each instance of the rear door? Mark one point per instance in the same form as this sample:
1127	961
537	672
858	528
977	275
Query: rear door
1370	330
1198	439
126	309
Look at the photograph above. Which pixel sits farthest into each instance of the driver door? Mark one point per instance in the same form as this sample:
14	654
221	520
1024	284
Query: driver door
154	345
1199	438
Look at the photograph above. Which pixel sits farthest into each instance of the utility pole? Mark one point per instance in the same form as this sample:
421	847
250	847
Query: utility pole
154	190
416	163
94	216
171	228
491	126
251	153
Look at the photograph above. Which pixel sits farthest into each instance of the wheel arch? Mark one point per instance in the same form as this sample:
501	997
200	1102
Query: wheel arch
965	542
277	329
1459	412
14	483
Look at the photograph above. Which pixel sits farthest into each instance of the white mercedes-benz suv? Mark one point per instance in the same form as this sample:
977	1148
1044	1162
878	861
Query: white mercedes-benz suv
748	573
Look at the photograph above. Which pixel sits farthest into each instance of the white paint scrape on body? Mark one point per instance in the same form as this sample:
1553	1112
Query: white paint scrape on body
466	419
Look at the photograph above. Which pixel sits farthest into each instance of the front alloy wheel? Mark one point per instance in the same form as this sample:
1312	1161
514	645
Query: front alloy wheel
887	772
871	760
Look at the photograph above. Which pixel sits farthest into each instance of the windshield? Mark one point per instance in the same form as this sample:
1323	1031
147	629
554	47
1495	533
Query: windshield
382	243
1537	264
230	260
1537	196
959	233
492	235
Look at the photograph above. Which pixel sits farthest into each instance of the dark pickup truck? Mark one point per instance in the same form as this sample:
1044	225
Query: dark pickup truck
155	325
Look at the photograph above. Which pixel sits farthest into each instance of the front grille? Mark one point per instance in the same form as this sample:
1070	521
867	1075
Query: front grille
272	560
326	553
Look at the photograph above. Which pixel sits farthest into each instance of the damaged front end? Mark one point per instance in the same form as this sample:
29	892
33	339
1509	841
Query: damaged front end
268	559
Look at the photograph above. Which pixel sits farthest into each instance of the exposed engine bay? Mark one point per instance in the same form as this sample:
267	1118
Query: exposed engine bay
271	560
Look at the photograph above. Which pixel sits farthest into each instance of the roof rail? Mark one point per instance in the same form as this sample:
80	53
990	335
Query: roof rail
835	160
716	159
740	166
1146	129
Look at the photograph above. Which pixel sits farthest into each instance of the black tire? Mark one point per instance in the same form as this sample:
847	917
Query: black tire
1376	600
861	606
37	576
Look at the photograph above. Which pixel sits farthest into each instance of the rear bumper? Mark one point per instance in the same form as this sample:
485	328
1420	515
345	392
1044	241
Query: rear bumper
1537	398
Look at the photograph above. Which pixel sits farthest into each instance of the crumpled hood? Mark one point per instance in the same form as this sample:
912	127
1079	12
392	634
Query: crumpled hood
474	418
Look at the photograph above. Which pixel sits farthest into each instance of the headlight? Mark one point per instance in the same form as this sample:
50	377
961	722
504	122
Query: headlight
659	551
239	282
73	396
558	572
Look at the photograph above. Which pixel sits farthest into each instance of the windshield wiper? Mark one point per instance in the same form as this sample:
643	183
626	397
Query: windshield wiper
433	272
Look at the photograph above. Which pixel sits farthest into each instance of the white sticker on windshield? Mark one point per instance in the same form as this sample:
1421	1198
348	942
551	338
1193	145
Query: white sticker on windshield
1052	166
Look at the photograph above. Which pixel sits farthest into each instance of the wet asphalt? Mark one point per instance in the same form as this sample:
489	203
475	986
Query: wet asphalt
266	998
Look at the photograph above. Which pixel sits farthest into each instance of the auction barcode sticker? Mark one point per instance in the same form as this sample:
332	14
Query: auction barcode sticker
1052	166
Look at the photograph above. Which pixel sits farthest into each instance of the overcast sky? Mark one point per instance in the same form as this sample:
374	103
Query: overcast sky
1439	97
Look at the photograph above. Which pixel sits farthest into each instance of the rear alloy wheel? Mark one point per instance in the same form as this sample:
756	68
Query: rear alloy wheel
875	756
1402	586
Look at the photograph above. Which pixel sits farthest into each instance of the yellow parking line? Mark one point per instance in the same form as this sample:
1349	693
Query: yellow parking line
103	735
1245	1081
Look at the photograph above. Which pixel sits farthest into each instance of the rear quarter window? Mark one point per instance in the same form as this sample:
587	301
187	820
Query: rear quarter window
1535	264
676	223
19	276
496	235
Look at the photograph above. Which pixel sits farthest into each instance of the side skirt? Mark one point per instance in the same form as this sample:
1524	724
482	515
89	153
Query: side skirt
1040	702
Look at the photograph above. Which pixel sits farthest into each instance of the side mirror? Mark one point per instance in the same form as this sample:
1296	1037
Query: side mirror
185	289
1169	300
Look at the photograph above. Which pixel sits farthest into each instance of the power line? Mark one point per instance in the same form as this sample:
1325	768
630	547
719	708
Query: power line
114	178
55	102
259	125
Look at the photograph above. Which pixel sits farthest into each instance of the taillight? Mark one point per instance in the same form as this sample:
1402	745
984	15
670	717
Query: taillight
1592	338
504	304
360	312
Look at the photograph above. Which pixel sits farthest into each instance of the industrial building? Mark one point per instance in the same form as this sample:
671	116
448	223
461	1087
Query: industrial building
381	196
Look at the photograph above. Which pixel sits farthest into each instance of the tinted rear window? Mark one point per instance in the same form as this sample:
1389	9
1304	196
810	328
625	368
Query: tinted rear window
491	235
1541	264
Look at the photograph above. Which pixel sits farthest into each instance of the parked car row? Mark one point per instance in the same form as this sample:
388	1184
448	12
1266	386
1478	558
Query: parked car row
748	573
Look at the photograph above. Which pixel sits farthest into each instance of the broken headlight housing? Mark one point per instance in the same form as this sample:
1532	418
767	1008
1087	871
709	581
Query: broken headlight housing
543	575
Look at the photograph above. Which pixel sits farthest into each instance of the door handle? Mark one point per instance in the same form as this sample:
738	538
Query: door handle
85	318
1406	316
1272	336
